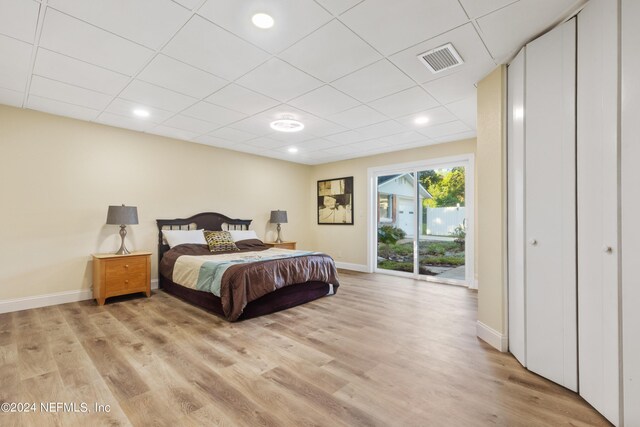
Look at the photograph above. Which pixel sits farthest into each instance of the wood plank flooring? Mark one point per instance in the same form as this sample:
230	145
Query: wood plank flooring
385	351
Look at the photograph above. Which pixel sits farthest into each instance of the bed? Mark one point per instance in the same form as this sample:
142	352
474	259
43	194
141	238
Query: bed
249	289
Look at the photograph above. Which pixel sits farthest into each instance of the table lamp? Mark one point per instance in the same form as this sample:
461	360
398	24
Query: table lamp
278	217
122	216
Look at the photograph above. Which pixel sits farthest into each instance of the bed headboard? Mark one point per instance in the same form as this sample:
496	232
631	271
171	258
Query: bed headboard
211	221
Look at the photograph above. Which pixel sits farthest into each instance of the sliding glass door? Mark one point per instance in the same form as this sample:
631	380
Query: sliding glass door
422	222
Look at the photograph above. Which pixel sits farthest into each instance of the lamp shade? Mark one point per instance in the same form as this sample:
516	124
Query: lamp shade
122	215
278	217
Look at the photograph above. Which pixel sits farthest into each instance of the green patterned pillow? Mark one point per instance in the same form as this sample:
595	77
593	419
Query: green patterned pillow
220	241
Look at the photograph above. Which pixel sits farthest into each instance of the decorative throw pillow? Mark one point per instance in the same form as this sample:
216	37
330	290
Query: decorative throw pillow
220	241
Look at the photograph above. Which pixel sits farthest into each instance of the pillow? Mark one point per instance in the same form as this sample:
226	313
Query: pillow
238	235
220	241
180	237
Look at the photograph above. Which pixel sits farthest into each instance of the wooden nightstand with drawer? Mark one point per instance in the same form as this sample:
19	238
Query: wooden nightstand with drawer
283	245
115	275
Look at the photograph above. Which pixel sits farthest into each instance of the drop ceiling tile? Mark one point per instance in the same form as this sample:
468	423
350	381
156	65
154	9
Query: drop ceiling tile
15	68
313	145
206	46
124	122
189	123
475	8
241	99
293	19
403	138
331	52
389	127
213	113
180	77
266	143
436	116
125	108
357	117
444	129
11	97
405	102
291	137
455	137
232	134
466	41
465	110
246	148
390	28
213	141
338	6
453	88
173	132
506	30
64	92
60	108
78	73
189	4
373	82
365	146
324	101
155	96
347	137
19	19
279	80
148	22
341	150
72	37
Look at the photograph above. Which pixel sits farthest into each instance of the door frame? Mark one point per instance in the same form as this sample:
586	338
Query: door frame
468	161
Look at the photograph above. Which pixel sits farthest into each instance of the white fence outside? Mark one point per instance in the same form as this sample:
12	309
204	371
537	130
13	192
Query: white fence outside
443	221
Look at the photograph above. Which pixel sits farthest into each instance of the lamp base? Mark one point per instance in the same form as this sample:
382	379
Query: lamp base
123	249
278	240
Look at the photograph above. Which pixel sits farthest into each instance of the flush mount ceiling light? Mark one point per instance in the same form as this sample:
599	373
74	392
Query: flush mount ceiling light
421	120
262	20
287	124
293	150
140	112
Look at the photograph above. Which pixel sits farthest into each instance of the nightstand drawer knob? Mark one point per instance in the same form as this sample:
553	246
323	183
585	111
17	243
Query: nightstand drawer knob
126	281
126	266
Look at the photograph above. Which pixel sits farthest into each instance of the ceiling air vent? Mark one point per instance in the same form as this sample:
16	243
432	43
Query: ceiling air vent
441	58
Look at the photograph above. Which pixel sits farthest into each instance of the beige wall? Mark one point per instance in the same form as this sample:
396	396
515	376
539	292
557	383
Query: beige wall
348	244
58	175
491	200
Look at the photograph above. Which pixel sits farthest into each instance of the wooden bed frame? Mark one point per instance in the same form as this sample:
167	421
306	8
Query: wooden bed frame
283	298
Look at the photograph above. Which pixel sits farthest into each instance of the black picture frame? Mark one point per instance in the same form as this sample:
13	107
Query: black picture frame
335	201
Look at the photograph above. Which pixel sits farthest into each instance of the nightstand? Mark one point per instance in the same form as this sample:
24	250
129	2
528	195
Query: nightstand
115	275
283	245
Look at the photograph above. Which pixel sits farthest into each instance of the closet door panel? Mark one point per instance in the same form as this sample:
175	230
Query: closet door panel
550	209
598	184
515	183
630	202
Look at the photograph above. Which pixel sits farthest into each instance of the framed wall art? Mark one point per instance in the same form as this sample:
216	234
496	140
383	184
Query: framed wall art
335	201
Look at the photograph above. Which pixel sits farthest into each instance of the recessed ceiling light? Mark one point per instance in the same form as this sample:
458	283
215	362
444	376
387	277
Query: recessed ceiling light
293	149
421	120
140	112
262	20
287	125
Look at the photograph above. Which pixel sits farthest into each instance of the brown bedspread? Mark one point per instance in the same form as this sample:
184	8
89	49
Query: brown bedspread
243	283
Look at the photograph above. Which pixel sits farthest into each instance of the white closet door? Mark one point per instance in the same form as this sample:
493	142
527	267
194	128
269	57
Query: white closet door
550	228
515	182
598	184
630	198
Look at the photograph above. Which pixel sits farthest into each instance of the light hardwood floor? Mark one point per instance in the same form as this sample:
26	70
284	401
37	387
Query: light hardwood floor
384	351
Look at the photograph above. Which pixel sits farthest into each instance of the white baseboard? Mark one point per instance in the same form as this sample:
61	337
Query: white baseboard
18	304
492	337
353	267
